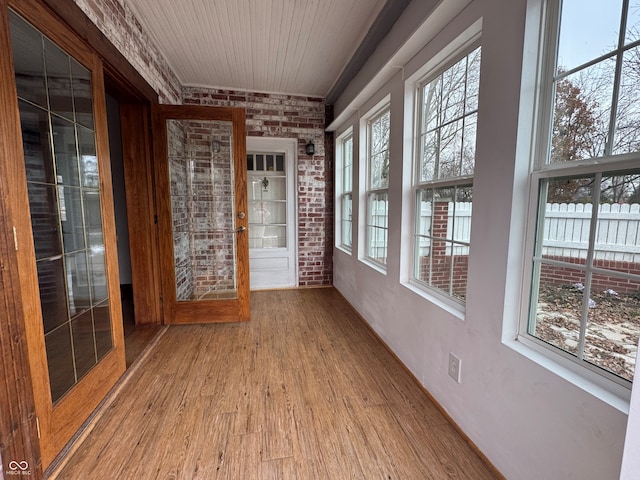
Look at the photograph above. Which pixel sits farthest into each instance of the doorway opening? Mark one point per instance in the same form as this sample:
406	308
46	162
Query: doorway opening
137	335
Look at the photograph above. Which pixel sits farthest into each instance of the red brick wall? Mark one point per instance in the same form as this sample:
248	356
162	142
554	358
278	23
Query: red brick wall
302	118
119	24
560	275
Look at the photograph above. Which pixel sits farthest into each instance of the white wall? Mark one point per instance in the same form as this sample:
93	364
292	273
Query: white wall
531	423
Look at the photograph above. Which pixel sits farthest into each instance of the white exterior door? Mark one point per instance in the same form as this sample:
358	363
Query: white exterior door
271	187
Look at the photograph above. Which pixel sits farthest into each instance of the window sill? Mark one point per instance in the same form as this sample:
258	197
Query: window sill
375	266
344	249
450	306
611	393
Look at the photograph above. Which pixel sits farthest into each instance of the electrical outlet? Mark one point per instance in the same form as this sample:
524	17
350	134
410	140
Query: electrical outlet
454	367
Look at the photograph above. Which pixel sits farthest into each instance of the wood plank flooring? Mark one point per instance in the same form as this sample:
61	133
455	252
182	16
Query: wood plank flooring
302	391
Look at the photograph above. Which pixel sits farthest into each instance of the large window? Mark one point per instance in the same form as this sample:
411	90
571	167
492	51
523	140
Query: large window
344	190
585	288
377	226
443	186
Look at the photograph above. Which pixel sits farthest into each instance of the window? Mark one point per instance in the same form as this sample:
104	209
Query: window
377	226
585	282
345	187
443	181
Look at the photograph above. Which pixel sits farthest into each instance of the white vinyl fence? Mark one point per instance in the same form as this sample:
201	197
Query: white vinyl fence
566	230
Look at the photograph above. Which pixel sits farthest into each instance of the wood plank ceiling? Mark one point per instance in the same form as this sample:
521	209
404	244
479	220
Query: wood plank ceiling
277	46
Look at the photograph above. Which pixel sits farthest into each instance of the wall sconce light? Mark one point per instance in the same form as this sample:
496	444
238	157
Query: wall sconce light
310	148
215	146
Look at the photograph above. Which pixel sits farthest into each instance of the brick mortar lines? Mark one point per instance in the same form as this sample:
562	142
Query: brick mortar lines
302	118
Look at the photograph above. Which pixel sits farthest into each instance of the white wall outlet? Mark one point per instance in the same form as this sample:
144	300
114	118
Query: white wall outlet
454	367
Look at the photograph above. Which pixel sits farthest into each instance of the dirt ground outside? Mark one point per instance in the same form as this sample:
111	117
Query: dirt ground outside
613	326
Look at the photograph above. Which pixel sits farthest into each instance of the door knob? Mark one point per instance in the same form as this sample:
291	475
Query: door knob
241	229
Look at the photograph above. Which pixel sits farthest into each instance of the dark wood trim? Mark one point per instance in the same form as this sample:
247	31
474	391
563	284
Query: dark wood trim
18	431
143	240
116	66
457	428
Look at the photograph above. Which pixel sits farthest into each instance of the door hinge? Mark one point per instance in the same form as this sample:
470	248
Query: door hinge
15	237
38	426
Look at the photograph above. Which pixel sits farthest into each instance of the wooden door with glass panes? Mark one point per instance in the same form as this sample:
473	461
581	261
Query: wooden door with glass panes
271	208
68	274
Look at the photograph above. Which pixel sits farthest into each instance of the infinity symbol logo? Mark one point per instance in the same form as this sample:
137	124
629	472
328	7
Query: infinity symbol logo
13	465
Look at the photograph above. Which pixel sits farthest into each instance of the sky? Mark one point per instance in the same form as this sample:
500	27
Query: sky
590	28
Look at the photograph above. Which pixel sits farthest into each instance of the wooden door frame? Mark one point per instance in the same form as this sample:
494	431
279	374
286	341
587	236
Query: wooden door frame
226	310
18	422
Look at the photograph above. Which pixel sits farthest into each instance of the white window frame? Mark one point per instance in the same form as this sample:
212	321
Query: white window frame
466	44
382	109
601	383
344	190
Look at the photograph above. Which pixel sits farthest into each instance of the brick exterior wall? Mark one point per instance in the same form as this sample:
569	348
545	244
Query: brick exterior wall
560	275
119	24
302	118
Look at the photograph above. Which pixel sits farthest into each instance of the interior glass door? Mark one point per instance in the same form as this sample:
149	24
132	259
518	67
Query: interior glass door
204	224
79	320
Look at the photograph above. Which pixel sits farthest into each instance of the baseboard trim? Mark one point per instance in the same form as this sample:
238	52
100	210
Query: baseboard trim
466	438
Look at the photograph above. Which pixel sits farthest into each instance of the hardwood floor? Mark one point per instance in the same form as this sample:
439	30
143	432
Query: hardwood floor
302	391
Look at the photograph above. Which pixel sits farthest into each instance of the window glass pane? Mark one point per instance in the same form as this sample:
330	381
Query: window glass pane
559	305
580	19
453	91
377	228
473	80
567	219
469	145
102	325
379	152
617	242
84	349
428	156
53	294
270	165
249	162
627	134
60	361
448	164
633	22
346	219
45	226
58	69
613	325
259	162
449	121
280	163
82	95
582	112
432	98
72	224
78	283
88	158
65	153
28	61
35	143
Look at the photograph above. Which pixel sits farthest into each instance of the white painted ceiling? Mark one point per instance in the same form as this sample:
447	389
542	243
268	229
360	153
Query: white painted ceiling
277	46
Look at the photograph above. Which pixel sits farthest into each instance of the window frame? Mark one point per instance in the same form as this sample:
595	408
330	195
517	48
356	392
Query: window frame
581	372
417	185
342	192
382	109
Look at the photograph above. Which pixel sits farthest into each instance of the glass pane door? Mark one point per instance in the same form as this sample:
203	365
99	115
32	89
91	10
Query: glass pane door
200	156
201	174
54	93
